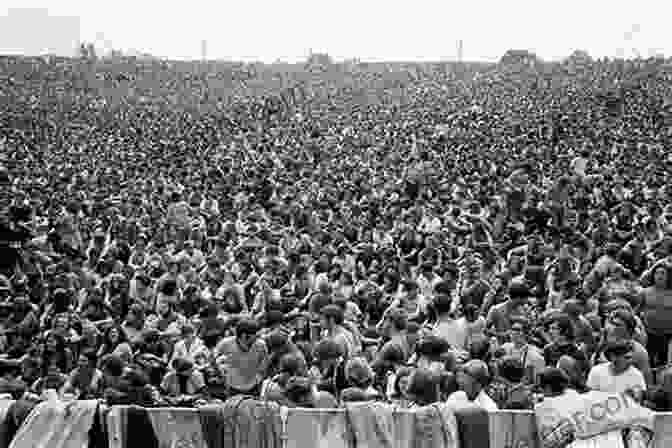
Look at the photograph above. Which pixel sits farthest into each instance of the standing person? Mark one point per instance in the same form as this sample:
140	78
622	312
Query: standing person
85	381
454	331
330	364
393	328
500	316
410	299
178	214
331	321
190	346
563	343
473	378
183	381
657	313
242	358
618	375
531	357
620	326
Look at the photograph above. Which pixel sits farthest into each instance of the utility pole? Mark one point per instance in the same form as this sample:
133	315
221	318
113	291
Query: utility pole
459	50
204	49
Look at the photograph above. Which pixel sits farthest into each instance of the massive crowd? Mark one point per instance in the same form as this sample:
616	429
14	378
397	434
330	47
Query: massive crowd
490	234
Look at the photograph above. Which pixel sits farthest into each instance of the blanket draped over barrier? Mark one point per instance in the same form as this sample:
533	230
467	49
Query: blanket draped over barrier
581	417
591	421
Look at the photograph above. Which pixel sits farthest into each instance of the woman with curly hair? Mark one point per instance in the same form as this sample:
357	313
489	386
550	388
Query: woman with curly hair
115	341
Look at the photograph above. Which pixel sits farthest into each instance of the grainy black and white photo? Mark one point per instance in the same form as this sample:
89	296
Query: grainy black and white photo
352	224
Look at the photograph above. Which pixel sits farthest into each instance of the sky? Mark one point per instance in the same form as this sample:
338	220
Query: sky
371	30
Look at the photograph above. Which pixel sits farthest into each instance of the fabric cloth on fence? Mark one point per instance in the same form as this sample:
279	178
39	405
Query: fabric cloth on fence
436	427
4	412
212	425
404	427
137	429
572	416
509	429
115	426
98	432
177	427
372	424
55	424
317	428
612	439
249	423
16	415
473	426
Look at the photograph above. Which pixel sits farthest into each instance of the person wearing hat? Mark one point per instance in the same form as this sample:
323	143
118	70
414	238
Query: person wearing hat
473	377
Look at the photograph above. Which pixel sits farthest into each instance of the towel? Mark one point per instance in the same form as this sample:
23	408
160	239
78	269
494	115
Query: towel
212	424
436	427
249	423
56	424
177	427
317	428
372	424
572	416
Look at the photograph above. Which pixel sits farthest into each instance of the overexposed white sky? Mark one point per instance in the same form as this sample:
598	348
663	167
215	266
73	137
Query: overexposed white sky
396	30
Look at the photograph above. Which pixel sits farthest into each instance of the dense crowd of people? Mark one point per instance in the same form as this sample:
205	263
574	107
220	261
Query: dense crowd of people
487	234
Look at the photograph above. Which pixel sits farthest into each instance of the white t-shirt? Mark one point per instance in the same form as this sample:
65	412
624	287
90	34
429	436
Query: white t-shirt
482	400
579	165
602	378
452	330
